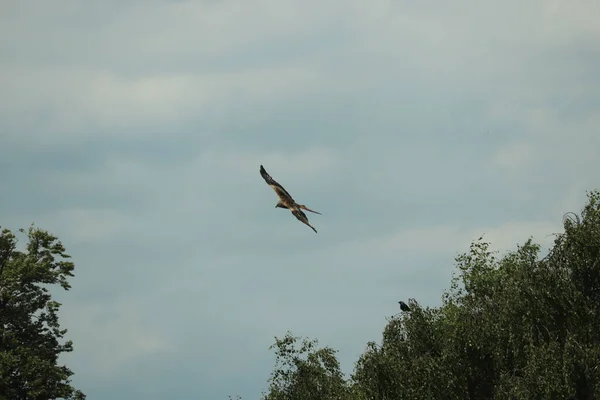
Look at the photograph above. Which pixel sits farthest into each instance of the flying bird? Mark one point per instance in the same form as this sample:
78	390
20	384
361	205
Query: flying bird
286	200
404	306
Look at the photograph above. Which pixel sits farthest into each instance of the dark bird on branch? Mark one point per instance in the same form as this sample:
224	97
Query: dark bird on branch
404	306
286	200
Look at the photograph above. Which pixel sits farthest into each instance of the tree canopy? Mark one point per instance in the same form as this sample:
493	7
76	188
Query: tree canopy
511	327
30	334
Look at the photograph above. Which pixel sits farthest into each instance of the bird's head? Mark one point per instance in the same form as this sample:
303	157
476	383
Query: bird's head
279	205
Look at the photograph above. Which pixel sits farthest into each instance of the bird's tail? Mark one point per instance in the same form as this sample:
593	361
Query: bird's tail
302	206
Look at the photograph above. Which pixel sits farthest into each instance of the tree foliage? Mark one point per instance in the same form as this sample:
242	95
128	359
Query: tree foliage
30	334
305	372
511	327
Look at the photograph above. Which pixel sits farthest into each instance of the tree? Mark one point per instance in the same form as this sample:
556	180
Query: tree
30	334
510	327
515	327
305	373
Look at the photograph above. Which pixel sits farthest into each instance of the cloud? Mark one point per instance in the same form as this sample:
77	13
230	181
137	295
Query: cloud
117	332
92	103
507	236
88	225
409	244
305	164
515	157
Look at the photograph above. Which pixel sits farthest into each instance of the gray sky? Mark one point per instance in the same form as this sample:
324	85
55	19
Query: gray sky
134	130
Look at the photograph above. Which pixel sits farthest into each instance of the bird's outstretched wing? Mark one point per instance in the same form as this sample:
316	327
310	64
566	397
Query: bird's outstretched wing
303	218
281	192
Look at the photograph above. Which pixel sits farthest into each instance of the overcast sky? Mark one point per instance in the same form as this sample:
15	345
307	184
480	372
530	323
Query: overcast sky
134	131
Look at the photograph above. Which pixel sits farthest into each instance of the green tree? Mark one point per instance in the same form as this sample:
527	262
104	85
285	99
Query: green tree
305	373
515	327
511	327
30	334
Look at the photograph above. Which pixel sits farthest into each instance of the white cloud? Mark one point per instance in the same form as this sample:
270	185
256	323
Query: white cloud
103	104
79	226
508	235
552	139
112	335
515	157
212	63
443	240
298	164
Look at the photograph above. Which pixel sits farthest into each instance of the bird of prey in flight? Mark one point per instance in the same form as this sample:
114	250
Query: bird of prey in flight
286	200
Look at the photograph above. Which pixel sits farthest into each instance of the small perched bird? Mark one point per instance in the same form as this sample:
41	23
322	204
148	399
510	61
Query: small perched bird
286	200
404	306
